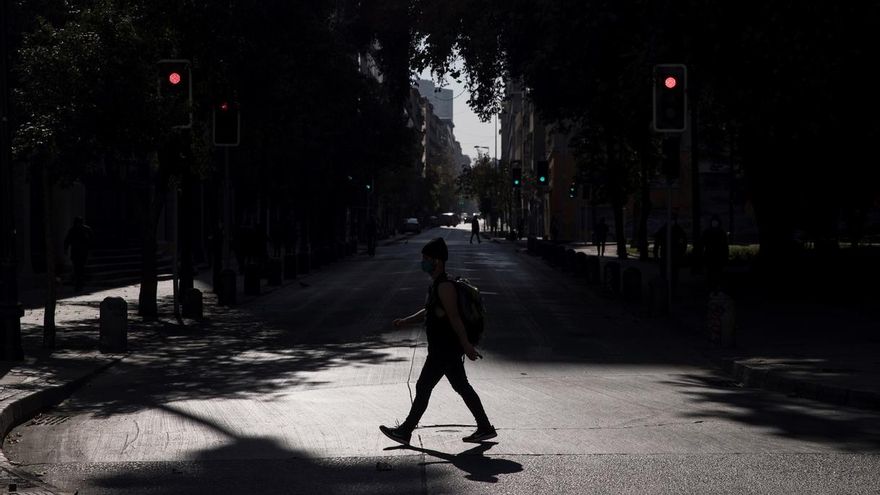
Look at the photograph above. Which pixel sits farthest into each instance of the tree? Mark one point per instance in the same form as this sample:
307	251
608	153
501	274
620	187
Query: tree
57	134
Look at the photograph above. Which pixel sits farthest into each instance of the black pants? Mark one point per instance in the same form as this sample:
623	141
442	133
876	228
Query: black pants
434	369
475	233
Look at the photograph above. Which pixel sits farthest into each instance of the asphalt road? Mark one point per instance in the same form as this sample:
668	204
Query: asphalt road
285	395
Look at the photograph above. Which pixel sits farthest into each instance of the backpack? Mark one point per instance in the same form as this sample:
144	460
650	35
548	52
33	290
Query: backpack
471	309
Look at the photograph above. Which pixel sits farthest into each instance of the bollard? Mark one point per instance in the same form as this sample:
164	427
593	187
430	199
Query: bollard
228	288
274	272
611	283
193	304
252	279
721	319
632	284
113	325
658	292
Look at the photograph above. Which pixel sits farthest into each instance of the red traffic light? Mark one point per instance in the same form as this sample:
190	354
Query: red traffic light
670	82
174	78
224	106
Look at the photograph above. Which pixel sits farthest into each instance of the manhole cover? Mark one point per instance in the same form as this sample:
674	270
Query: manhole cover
48	420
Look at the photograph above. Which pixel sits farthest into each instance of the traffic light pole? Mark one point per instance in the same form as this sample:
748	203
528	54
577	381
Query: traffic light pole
227	227
668	250
10	309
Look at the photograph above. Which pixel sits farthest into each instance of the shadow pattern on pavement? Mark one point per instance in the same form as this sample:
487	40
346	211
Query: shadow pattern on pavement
850	430
473	461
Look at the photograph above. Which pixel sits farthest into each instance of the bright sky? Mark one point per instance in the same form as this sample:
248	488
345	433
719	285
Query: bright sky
469	131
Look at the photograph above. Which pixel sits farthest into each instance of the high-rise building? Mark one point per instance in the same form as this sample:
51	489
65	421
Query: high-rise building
440	98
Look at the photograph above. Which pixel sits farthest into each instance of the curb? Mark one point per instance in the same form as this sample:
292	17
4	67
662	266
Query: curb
767	378
24	406
780	381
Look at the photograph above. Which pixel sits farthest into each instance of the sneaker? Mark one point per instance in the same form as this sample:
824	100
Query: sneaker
482	434
397	434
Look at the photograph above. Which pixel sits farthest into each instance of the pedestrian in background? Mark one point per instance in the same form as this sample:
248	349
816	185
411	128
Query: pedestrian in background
475	229
601	233
77	241
715	252
447	345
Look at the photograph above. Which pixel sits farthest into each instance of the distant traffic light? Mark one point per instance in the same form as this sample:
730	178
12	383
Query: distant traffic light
516	176
572	190
670	97
175	92
227	124
542	172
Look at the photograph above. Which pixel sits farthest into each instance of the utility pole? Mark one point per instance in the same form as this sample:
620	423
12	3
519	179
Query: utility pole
10	309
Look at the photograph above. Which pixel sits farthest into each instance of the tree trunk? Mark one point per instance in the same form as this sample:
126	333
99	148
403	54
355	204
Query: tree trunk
184	232
51	290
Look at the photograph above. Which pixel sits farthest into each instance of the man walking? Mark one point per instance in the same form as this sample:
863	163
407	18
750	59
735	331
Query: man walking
601	233
447	345
475	229
77	241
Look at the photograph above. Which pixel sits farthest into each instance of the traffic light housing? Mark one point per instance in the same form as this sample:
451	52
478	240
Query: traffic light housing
516	177
671	160
227	124
542	172
174	86
670	97
572	190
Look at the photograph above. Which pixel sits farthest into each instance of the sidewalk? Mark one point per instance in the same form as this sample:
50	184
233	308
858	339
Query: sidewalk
45	378
822	351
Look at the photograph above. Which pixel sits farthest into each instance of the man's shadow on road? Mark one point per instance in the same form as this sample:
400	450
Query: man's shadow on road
472	461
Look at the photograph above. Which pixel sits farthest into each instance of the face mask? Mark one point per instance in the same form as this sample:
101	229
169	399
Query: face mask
428	266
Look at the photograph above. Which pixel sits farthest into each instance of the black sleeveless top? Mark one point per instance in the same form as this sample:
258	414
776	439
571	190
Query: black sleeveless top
442	339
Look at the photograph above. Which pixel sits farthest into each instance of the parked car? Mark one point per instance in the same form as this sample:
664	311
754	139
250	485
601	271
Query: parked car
412	225
449	219
433	221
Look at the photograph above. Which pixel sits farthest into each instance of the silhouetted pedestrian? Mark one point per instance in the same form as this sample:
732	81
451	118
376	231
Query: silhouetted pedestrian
447	345
554	228
475	229
78	240
601	233
715	252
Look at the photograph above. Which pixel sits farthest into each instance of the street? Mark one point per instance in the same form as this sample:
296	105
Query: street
285	394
